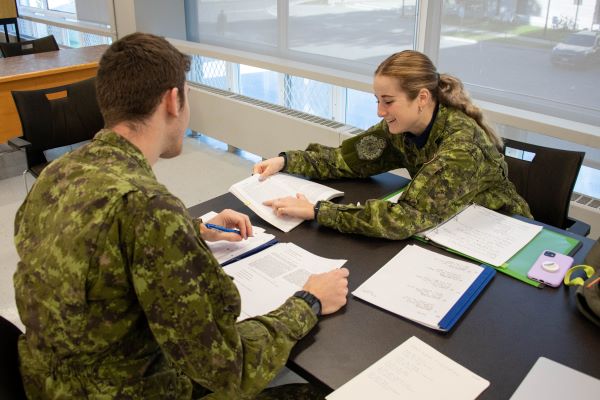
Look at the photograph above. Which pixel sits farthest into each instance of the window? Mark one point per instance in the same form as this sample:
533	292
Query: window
350	35
526	55
62	5
32	3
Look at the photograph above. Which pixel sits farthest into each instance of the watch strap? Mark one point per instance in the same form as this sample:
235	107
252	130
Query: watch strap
310	299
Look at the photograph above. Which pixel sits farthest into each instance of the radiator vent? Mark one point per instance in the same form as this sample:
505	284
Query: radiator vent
587	201
342	128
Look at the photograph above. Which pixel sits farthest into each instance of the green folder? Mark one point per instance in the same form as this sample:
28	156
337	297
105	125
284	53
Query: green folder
520	263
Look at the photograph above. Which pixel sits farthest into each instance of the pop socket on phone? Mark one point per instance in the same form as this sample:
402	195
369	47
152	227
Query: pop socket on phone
550	266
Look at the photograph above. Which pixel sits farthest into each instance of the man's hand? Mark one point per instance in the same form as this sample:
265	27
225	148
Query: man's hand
228	219
298	207
268	167
331	288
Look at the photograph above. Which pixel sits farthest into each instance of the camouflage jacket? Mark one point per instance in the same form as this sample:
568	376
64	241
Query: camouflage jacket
457	166
122	298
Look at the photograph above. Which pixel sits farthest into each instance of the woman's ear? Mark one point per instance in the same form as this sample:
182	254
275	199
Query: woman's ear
424	97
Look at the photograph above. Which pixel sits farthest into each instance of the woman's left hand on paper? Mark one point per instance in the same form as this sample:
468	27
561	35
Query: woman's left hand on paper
298	207
229	219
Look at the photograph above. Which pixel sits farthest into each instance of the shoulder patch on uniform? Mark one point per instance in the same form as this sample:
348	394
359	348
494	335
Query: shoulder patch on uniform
370	147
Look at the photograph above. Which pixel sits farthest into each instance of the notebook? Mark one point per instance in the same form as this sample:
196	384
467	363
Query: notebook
228	252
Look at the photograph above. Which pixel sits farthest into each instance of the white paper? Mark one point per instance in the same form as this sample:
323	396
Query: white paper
266	279
484	235
419	284
549	380
413	370
224	250
253	193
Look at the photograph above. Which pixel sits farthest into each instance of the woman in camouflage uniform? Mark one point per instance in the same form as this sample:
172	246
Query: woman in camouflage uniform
430	127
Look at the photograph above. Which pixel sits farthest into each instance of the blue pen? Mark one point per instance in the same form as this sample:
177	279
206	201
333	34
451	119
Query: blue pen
222	228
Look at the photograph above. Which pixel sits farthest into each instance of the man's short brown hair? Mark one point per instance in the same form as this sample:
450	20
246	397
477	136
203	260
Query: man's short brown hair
134	74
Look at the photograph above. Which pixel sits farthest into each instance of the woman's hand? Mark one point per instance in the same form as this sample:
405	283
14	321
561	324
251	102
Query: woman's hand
268	167
228	219
298	207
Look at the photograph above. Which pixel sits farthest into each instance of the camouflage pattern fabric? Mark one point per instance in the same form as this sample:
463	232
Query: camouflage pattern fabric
458	166
120	296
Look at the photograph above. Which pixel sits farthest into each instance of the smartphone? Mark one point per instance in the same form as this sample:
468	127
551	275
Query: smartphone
550	268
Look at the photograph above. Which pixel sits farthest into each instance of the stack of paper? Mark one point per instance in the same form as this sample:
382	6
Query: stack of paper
253	193
426	287
413	370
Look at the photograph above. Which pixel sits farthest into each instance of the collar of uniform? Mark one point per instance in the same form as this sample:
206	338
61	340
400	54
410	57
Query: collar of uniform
114	139
421	140
440	122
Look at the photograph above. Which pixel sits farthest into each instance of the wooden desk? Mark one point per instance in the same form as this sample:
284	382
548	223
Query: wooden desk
38	71
500	337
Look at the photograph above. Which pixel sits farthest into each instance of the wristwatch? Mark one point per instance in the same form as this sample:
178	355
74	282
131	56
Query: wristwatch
311	300
316	208
282	154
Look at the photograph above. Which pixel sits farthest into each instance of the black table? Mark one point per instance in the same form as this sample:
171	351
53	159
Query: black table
500	337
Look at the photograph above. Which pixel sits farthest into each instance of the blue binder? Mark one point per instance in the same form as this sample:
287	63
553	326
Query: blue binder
467	298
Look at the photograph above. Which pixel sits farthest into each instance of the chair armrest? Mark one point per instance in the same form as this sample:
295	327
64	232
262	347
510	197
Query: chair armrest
18	143
579	227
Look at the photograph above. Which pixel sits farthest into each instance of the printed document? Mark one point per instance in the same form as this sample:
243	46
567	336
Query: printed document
483	235
224	250
419	284
266	279
253	193
413	370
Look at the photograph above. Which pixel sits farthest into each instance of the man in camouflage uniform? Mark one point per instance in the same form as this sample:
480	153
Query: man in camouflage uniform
119	293
452	164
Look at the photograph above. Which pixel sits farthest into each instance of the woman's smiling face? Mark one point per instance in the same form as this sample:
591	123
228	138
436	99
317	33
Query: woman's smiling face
400	113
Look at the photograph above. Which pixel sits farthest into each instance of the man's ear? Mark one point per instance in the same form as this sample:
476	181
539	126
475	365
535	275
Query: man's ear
172	101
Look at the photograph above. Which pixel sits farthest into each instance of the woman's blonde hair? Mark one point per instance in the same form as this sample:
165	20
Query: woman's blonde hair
415	71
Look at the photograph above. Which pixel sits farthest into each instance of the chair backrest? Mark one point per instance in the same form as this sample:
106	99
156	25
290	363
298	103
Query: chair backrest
11	384
71	116
545	178
40	45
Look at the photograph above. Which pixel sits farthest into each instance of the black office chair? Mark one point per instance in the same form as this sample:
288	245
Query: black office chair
55	123
40	45
11	384
545	178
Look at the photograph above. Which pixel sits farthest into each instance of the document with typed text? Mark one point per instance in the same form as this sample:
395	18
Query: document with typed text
265	280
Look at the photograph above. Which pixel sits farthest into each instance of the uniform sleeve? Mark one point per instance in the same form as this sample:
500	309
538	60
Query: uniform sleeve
191	305
440	189
363	155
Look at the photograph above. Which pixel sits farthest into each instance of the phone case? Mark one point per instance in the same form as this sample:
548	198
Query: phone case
550	268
